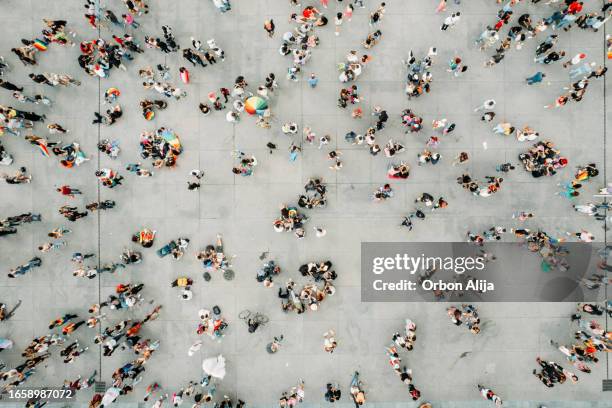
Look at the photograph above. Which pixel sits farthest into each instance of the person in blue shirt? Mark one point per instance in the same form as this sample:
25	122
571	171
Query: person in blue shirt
536	78
313	80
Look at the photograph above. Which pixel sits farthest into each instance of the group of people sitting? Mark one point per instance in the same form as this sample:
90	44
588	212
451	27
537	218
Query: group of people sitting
467	315
267	272
213	258
317	198
311	294
493	185
291	220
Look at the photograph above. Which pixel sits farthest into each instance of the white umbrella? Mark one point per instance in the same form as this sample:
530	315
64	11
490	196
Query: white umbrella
214	366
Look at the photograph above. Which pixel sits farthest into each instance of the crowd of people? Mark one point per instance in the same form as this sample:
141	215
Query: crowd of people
591	339
112	46
312	294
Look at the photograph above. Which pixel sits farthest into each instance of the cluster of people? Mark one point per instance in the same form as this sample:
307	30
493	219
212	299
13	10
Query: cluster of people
246	164
468	183
591	338
369	138
292	397
398	171
382	193
570	189
148	107
466	314
319	271
267	272
70	155
554	255
211	323
516	34
291	220
162	87
91	271
99	56
109	178
215	100
12	119
109	147
350	70
542	159
348	95
71	213
214	259
407	339
429	201
243	99
202	55
333	393
162	146
18	375
167	45
184	283
309	298
9	225
552	373
311	295
176	248
419	76
54	32
411	121
124	378
404	374
299	42
126	296
110	337
492	234
316	198
145	237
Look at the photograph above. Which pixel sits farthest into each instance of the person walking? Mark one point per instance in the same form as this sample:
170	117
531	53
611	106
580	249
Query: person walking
536	78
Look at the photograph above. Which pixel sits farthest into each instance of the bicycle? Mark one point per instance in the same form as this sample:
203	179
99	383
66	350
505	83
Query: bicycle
253	320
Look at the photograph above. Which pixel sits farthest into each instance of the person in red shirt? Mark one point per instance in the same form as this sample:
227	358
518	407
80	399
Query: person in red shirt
72	327
226	93
68	191
575	7
132	331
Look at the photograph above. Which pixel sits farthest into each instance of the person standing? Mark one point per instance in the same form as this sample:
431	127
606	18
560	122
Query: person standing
313	80
450	21
269	27
338	22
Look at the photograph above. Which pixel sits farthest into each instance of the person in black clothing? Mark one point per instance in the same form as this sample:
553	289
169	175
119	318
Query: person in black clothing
40	79
10	86
192	57
332	394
